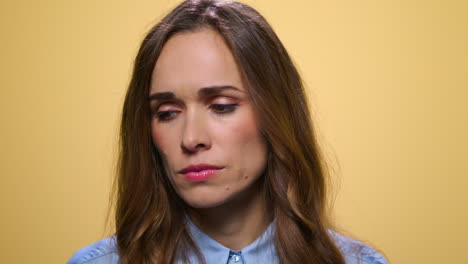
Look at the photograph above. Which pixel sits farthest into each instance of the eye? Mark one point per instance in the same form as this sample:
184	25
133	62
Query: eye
166	115
166	111
223	108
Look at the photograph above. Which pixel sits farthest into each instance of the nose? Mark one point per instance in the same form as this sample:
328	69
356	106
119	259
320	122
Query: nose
195	135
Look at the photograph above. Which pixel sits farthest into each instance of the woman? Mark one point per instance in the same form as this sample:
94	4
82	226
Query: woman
218	160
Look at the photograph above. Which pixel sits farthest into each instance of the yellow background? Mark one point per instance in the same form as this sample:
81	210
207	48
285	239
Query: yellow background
387	81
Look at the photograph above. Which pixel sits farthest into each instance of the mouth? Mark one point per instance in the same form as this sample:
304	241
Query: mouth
200	172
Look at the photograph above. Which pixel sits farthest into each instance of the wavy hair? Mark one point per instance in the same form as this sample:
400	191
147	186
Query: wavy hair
150	225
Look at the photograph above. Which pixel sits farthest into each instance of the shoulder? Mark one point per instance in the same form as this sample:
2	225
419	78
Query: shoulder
103	251
356	252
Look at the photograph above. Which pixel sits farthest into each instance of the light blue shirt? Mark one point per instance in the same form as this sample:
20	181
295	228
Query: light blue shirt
261	250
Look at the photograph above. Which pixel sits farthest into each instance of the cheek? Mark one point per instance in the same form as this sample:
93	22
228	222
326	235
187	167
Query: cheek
246	132
157	137
250	146
162	140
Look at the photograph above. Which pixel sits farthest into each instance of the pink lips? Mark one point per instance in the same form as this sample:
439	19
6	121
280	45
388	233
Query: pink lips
199	172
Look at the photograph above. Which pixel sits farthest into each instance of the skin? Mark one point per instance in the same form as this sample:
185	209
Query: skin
197	122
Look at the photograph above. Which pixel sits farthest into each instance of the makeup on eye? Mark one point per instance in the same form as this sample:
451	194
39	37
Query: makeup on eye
165	111
223	104
224	108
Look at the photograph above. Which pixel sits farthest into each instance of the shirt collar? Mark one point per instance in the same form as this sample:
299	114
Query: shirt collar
259	251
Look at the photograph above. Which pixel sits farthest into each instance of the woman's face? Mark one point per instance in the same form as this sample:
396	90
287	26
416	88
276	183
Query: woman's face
203	121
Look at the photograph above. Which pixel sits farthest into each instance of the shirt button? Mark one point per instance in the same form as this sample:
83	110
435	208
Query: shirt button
236	258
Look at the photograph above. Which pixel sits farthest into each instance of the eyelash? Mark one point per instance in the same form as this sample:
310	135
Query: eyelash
221	109
224	108
165	115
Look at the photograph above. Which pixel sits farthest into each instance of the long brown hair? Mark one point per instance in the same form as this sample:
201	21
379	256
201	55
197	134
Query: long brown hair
150	225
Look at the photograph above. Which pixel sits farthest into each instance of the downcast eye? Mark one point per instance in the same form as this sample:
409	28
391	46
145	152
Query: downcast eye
166	115
223	108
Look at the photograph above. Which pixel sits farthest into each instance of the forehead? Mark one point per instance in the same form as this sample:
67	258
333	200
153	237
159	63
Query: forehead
193	60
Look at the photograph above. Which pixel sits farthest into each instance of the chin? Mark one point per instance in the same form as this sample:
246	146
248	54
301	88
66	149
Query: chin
205	199
203	204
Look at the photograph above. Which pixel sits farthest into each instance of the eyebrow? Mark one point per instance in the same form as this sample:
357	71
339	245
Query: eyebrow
203	92
162	96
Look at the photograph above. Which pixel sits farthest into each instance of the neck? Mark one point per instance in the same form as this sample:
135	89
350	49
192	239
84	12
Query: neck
237	223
